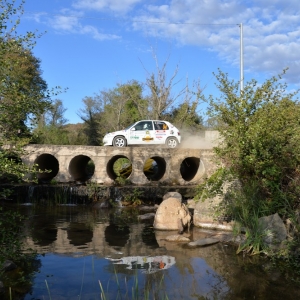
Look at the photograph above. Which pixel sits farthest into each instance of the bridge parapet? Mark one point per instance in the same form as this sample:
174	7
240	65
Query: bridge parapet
180	166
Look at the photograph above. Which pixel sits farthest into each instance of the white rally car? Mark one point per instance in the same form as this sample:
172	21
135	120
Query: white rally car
145	132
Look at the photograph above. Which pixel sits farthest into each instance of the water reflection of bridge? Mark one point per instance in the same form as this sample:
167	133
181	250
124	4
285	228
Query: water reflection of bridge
78	239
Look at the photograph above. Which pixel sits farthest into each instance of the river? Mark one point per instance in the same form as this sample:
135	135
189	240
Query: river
87	253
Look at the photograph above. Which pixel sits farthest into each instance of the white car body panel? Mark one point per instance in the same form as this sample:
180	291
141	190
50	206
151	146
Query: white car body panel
137	134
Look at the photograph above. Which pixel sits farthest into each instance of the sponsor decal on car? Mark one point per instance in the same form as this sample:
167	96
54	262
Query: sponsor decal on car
147	137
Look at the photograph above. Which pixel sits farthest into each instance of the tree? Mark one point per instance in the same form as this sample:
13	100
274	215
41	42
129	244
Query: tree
185	115
23	92
260	133
160	88
255	146
123	106
90	114
50	128
54	116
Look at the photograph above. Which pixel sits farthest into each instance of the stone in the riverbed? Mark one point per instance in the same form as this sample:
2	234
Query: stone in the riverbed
148	208
177	238
148	216
173	195
8	265
275	233
172	215
204	242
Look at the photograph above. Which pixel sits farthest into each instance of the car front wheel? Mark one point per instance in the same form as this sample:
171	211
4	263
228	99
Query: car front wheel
119	141
171	142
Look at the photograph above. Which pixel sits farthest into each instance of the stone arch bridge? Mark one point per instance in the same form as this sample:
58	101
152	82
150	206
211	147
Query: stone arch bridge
180	166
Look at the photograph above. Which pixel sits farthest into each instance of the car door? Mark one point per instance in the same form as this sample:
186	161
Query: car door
142	133
161	132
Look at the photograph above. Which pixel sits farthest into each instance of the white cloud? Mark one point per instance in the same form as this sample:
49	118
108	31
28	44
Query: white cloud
270	30
120	6
69	22
271	27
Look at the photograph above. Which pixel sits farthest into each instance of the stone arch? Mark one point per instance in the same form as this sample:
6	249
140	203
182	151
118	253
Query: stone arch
115	169
48	164
154	168
81	168
189	168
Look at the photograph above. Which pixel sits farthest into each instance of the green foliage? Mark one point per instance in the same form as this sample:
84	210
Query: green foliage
23	92
92	189
261	136
11	245
122	106
90	114
134	197
213	185
260	132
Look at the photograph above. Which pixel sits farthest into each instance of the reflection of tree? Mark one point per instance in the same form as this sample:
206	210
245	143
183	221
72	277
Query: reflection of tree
44	231
21	286
148	236
116	235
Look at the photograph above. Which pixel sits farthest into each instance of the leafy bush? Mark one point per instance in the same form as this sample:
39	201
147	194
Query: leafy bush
260	133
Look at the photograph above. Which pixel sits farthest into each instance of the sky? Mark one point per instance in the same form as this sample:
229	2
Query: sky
92	45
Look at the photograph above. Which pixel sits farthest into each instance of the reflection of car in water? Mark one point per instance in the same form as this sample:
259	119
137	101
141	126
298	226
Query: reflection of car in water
149	264
145	132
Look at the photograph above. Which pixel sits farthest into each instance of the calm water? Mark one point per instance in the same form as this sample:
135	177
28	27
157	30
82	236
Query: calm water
84	252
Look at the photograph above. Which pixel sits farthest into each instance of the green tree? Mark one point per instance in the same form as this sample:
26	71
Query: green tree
91	114
76	135
260	133
23	92
50	128
123	106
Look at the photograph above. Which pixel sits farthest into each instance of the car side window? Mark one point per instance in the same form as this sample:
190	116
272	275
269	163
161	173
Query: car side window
157	126
139	126
149	125
145	125
165	126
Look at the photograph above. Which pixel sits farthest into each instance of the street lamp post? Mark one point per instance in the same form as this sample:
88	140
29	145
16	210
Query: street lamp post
241	59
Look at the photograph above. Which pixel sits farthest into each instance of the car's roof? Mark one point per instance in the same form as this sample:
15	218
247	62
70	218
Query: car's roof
154	121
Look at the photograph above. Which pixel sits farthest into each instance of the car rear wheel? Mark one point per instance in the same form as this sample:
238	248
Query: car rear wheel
119	141
171	142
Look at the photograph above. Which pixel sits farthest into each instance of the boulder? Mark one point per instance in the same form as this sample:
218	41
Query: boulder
8	265
274	231
177	238
147	216
204	242
173	195
172	215
205	212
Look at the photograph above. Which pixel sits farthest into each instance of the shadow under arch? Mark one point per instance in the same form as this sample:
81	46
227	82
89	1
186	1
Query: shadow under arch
81	168
116	235
155	168
79	234
49	166
189	168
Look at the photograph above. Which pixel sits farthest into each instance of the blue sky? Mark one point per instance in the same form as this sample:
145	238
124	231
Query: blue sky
92	45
